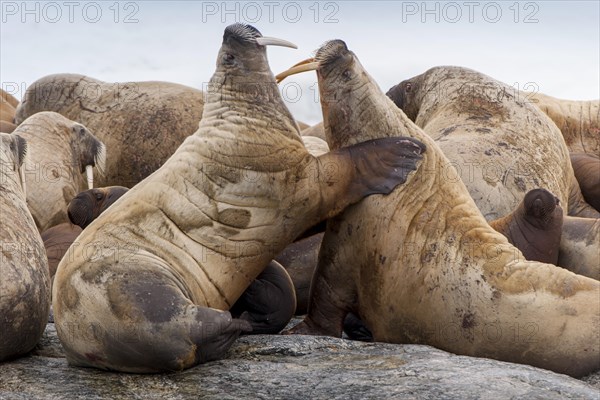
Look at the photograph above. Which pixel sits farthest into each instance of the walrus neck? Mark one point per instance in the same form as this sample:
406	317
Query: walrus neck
254	99
377	117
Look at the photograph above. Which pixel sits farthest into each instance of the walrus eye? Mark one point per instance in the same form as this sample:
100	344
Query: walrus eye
408	87
228	58
347	74
99	195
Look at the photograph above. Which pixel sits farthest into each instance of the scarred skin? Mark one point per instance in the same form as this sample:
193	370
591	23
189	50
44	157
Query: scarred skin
579	121
534	227
59	150
24	278
587	171
422	265
141	123
500	143
156	275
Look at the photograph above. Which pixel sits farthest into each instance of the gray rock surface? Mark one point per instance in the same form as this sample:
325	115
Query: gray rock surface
294	367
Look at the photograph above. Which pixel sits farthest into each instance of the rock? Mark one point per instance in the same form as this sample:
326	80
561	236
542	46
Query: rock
268	367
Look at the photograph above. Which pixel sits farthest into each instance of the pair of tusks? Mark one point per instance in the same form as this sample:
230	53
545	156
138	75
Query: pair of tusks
266	41
305	65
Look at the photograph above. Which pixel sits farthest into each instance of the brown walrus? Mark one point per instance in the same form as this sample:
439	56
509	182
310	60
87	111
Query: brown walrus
422	265
60	151
24	280
57	241
500	144
141	123
89	204
534	227
156	274
587	171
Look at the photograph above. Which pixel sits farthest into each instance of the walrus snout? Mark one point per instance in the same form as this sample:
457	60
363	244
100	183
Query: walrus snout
541	204
78	210
330	51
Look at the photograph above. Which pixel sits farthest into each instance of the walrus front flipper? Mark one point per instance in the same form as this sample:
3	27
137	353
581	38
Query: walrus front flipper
269	302
372	167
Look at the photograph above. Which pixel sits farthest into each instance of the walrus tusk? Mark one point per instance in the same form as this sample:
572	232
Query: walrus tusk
303	66
22	179
265	41
89	171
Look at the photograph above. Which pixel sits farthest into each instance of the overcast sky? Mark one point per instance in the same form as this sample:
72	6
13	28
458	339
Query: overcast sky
549	46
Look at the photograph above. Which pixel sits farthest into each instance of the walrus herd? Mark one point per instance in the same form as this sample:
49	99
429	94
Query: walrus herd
451	211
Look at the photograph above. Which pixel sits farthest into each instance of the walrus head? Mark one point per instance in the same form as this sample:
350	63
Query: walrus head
354	108
90	152
89	204
542	208
13	152
405	94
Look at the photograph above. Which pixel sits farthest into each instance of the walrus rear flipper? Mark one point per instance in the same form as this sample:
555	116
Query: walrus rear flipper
269	302
148	326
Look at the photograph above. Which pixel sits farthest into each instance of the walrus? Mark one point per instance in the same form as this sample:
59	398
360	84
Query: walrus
422	265
500	144
141	123
89	204
24	282
8	105
7	127
82	210
300	260
587	171
6	97
534	227
57	241
60	151
579	121
150	286
580	246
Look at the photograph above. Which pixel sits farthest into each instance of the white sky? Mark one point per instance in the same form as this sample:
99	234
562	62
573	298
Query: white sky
552	45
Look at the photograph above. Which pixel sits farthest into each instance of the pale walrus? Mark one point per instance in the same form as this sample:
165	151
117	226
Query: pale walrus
141	123
579	121
422	265
587	172
24	280
149	287
501	145
534	227
60	151
8	106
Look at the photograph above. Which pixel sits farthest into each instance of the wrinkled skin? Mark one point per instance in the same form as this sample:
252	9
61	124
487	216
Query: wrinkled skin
587	172
422	265
579	121
500	143
580	246
24	282
141	123
157	273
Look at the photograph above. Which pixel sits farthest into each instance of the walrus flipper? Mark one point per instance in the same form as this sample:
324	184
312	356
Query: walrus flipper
142	311
269	302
